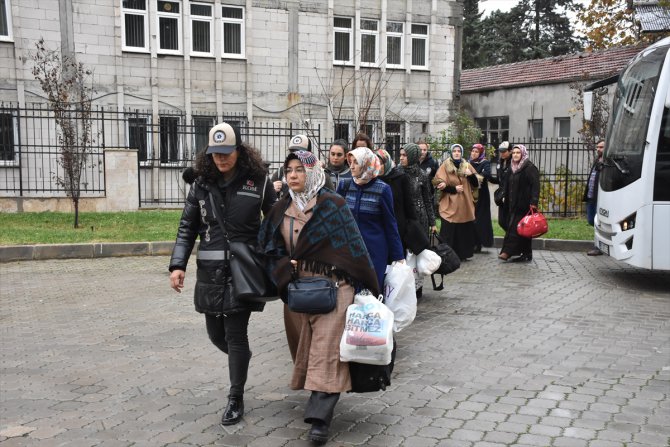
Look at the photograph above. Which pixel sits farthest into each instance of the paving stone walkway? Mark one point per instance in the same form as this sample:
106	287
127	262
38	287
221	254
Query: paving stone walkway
568	350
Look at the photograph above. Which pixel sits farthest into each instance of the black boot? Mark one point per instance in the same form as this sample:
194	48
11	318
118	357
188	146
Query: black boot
318	434
234	411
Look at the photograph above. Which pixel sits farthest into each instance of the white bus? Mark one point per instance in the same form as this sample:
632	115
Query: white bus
632	223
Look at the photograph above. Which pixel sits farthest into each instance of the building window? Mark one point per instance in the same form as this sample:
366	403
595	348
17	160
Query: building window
168	138
369	38
343	43
562	127
8	138
393	140
169	24
535	129
494	129
394	44
201	127
419	46
5	20
135	25
202	37
341	131
138	137
367	129
233	31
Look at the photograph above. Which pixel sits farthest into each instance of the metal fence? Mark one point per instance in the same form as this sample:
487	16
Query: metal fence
29	149
29	153
564	166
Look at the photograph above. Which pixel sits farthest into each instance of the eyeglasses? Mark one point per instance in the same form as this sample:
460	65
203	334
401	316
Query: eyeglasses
299	170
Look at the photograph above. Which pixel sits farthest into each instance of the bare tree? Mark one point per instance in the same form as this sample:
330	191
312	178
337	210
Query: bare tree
68	86
591	131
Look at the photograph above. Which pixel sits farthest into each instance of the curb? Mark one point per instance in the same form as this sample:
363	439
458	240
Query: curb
12	253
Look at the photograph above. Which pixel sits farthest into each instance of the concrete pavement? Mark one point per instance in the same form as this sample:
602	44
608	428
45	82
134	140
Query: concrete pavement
568	350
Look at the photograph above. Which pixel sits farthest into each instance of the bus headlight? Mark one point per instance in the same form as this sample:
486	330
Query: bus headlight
628	223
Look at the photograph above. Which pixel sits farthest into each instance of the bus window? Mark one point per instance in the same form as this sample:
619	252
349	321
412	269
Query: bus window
662	175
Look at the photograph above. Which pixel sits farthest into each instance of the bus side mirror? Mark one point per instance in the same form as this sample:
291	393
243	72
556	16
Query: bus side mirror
588	105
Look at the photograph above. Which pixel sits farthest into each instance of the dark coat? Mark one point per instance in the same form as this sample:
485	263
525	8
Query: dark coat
405	211
242	201
500	179
523	190
483	225
336	176
596	167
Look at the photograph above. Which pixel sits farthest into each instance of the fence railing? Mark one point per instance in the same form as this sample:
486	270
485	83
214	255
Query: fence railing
29	154
564	166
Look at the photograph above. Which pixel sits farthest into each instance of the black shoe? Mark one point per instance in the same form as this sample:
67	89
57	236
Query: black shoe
594	252
234	411
318	434
419	292
523	258
478	249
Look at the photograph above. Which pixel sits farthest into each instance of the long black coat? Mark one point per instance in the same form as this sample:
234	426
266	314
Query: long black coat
483	223
523	190
405	214
502	172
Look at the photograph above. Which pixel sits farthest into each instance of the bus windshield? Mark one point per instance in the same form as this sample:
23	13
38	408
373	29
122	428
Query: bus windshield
633	101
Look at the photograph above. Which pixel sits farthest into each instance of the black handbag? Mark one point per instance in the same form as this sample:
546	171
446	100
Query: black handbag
499	196
311	294
247	269
450	260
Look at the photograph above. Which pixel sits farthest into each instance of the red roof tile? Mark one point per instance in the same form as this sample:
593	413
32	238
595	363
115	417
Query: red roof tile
553	70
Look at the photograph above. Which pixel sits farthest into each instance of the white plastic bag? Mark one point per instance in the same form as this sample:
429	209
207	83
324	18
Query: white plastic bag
427	262
411	261
368	331
400	294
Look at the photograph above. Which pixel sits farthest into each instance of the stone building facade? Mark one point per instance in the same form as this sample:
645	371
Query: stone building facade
309	62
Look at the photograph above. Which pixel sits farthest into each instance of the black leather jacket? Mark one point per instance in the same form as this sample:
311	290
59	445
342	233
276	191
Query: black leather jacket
242	202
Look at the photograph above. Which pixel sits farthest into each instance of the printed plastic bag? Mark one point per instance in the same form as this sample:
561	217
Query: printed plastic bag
368	331
400	294
427	262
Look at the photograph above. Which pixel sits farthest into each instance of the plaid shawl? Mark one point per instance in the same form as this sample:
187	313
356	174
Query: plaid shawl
329	243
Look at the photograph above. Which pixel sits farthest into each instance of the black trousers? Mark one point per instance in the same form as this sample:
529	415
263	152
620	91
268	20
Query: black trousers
320	407
229	334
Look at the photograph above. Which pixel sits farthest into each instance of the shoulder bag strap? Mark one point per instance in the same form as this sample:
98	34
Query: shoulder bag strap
217	209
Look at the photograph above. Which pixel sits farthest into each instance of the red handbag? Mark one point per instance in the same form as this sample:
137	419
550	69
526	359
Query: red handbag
533	224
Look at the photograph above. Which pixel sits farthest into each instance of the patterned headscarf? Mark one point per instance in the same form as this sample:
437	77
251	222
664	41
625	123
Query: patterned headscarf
482	153
316	178
387	161
524	157
413	152
368	161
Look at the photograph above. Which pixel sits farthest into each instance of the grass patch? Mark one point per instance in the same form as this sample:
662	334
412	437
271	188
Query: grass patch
565	229
57	228
161	225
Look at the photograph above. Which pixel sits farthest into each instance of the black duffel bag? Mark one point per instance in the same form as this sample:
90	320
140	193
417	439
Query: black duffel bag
450	260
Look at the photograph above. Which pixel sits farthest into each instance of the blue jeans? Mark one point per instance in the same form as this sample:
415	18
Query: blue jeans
591	209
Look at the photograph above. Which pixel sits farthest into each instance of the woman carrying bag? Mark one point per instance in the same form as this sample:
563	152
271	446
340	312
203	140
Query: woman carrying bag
232	173
523	192
311	232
